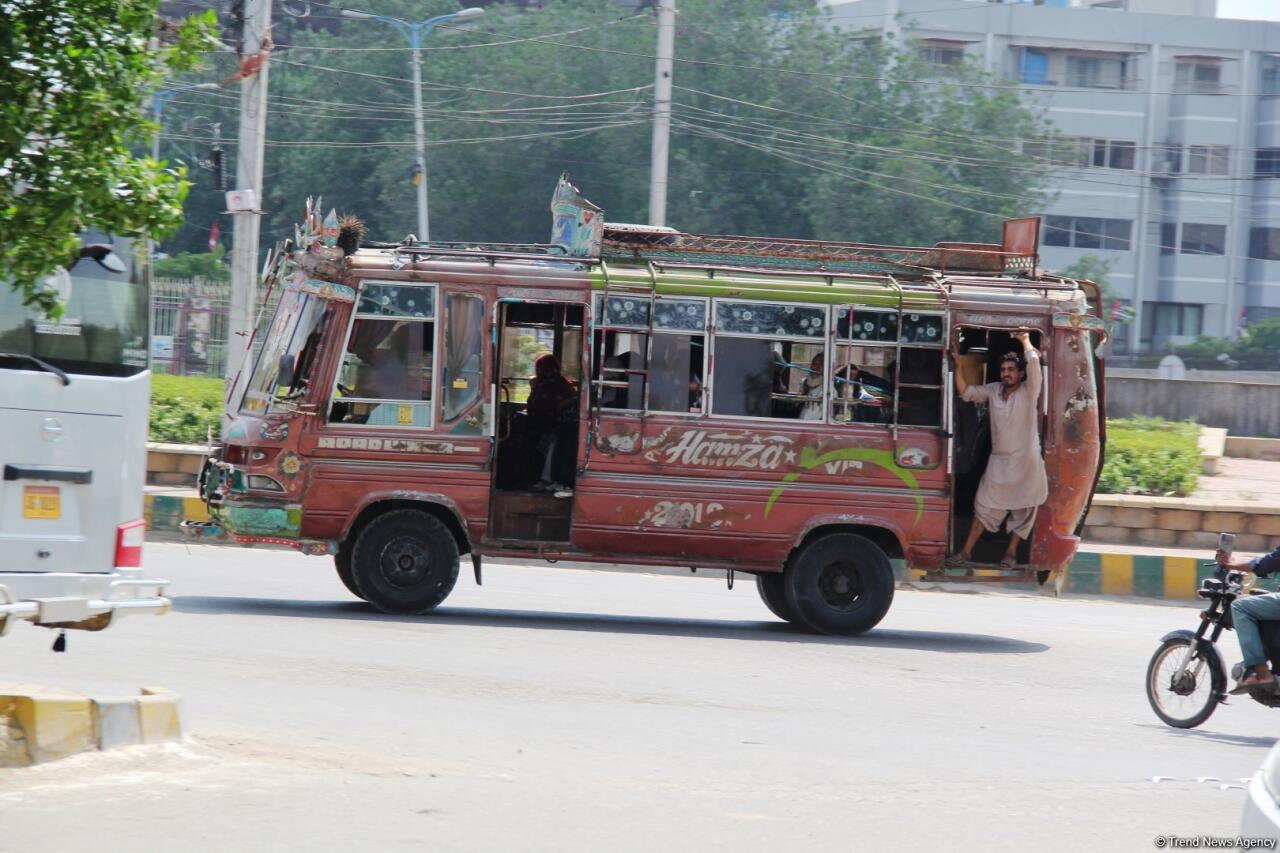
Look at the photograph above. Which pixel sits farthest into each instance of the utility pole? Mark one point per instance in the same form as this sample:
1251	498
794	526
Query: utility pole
663	68
249	156
420	142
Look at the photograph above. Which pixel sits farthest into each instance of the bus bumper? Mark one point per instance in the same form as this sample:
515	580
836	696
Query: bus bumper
83	601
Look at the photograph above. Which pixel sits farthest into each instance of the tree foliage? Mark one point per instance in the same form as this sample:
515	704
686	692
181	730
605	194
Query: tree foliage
73	73
208	265
781	126
1257	349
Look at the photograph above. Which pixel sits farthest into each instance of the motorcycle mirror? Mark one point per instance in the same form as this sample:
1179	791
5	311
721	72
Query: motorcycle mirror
1226	543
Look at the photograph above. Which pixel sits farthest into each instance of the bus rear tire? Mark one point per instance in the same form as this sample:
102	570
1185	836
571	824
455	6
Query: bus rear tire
840	584
342	564
773	592
405	561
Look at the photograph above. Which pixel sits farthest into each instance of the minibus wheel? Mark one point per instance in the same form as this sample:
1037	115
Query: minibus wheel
773	592
404	561
342	563
841	583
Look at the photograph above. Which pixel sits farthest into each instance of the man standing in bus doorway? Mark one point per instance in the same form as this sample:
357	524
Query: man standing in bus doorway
1014	484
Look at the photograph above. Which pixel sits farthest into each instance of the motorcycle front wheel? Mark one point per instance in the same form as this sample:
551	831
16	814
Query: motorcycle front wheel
1183	697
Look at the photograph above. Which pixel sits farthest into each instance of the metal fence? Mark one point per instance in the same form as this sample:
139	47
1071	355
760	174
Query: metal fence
190	324
189	320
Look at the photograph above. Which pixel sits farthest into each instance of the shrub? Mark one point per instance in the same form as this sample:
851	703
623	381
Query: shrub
210	265
183	408
1150	456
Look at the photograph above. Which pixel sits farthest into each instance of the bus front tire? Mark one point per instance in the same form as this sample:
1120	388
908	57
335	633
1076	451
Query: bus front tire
773	592
405	561
840	584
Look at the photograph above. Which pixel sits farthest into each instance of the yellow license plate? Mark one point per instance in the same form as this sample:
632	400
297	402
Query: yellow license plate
41	502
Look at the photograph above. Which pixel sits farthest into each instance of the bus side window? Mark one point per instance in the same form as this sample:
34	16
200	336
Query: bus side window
463	366
679	349
386	377
920	377
763	353
620	350
863	390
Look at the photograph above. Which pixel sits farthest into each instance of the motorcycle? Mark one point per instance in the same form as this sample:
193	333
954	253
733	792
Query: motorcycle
1187	677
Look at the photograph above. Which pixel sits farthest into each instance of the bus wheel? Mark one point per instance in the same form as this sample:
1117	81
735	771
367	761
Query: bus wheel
405	561
841	583
773	592
342	562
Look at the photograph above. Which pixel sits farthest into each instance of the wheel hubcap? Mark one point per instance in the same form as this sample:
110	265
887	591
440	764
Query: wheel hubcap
840	585
405	562
1183	684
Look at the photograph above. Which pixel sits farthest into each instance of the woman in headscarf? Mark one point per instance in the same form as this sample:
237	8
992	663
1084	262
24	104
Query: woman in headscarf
552	405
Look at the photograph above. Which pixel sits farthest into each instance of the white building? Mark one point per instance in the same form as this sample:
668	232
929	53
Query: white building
1174	158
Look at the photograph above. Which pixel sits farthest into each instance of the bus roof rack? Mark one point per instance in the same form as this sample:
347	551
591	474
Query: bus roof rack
488	251
646	243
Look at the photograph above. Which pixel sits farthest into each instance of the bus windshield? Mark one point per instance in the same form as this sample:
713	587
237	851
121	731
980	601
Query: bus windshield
103	331
294	333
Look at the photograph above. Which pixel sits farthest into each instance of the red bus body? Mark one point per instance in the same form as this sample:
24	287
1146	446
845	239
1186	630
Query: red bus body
651	488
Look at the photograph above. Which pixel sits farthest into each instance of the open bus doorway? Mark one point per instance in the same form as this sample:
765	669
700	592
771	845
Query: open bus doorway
538	408
980	353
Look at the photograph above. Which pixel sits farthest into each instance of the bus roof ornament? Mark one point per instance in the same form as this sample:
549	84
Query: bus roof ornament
577	225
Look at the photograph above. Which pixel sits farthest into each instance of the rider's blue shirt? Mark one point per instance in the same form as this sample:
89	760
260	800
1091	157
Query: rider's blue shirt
1266	565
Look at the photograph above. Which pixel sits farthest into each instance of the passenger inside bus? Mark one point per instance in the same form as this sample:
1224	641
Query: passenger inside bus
552	420
389	361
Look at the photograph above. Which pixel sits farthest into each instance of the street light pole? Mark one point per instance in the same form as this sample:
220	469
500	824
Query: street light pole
416	33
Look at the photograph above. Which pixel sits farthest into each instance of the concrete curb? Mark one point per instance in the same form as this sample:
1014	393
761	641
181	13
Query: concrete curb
40	724
167	512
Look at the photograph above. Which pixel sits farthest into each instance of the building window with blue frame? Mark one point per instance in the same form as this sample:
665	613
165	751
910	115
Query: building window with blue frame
1035	67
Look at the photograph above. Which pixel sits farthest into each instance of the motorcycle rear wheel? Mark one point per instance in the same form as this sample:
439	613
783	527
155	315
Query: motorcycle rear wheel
1183	700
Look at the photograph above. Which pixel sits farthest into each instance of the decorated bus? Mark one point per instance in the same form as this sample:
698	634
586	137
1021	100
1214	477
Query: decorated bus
645	396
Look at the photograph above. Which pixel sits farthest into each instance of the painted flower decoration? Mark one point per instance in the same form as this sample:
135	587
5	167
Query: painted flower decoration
291	464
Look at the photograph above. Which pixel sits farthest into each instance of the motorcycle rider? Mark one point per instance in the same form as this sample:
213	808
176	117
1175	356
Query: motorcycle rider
1246	612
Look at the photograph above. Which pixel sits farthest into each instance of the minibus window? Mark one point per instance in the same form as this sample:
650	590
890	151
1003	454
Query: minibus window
764	353
463	370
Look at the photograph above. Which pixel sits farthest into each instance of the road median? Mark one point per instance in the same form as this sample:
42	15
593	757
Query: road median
40	724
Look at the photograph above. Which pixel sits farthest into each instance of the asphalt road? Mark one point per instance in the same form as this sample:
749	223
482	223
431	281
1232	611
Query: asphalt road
562	710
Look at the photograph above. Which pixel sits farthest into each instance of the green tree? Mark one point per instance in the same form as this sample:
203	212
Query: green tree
71	123
781	126
209	265
1257	349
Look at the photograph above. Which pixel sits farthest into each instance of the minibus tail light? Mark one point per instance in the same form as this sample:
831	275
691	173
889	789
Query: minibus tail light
129	539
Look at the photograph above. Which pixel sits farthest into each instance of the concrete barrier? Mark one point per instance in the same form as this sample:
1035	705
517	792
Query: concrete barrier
1213	446
1244	447
174	464
167	511
1181	522
39	724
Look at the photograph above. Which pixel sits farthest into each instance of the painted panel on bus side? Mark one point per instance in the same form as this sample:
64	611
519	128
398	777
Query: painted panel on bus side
834	453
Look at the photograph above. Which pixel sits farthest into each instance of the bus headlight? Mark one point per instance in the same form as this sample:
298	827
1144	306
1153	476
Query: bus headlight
263	483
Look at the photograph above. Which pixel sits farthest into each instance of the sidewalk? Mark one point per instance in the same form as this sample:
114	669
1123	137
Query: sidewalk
1242	481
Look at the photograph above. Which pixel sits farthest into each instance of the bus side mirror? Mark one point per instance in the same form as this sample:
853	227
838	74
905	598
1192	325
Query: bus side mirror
284	372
